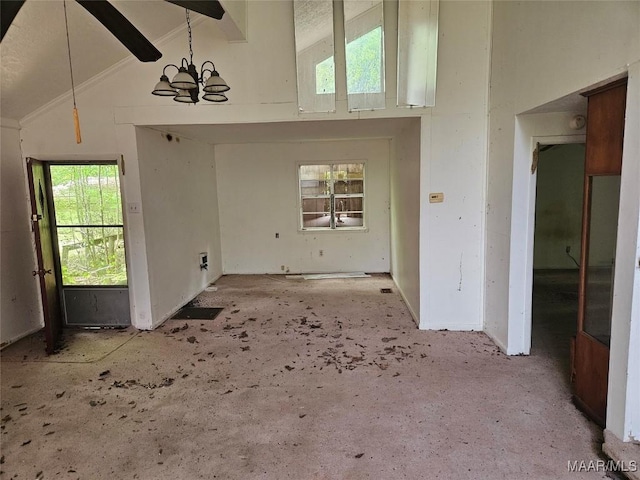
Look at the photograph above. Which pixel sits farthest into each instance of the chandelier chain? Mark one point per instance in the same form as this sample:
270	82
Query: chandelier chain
189	30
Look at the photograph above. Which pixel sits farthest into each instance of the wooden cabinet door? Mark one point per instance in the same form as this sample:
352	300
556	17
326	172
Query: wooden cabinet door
605	128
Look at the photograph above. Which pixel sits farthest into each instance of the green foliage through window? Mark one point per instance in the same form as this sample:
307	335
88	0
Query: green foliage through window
88	213
364	66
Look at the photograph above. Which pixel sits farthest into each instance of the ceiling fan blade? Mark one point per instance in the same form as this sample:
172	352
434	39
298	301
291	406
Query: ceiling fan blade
8	11
122	29
211	8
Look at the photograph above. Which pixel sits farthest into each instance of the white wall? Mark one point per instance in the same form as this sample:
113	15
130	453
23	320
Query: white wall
404	178
258	195
180	205
623	400
453	150
20	304
581	43
559	206
453	161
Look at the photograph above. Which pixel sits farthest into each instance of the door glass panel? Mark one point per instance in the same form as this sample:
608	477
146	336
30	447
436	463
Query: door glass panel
89	226
92	256
603	226
86	194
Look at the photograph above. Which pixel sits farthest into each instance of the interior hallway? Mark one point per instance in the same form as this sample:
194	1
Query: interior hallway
295	379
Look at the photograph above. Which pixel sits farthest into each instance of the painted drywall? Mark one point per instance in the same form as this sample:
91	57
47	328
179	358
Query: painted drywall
559	207
452	159
258	198
404	185
582	43
453	152
180	204
20	304
623	400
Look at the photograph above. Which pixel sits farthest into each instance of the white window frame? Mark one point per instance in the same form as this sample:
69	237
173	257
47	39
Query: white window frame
332	196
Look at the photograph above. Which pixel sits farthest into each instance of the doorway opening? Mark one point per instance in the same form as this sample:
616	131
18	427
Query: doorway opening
79	236
556	252
88	234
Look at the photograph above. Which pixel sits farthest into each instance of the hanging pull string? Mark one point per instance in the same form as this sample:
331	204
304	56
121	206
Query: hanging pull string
76	119
189	30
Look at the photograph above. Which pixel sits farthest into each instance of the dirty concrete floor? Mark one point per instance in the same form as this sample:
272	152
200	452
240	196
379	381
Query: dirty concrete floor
295	379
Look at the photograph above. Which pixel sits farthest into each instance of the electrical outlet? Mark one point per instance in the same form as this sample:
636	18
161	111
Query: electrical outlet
321	252
204	260
133	207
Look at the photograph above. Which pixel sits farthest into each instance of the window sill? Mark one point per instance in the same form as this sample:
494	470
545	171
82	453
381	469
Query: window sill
333	231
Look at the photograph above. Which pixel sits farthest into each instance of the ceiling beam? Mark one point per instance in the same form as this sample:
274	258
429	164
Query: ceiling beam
210	8
8	11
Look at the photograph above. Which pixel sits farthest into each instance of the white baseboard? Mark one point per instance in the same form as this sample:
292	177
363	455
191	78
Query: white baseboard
21	336
175	310
415	316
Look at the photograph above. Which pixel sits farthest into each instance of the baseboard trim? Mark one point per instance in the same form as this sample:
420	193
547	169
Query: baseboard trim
415	317
20	337
175	310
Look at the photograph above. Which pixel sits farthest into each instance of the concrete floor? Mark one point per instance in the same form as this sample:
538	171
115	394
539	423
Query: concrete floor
326	379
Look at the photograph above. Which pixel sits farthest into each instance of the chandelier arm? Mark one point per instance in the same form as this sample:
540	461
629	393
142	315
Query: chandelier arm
212	64
164	70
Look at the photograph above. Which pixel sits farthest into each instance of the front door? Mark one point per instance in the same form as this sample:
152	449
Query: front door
603	167
88	232
45	253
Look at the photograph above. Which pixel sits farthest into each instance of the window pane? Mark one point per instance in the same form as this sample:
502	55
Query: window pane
313	22
92	256
349	220
349	171
86	194
364	54
315	172
315	205
326	76
348	186
316	221
364	63
417	49
314	187
349	211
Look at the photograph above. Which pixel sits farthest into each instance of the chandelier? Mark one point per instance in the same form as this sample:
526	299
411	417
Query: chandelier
185	86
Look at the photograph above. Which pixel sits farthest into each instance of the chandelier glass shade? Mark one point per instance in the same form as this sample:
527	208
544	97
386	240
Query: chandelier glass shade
185	85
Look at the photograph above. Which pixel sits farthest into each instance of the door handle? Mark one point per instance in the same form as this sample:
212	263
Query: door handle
36	217
42	273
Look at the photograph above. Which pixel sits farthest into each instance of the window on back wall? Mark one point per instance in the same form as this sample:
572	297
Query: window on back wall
332	196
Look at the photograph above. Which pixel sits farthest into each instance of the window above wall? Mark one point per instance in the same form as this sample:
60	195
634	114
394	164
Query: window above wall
332	196
362	67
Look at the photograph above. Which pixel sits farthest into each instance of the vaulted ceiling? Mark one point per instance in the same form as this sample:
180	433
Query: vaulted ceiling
34	65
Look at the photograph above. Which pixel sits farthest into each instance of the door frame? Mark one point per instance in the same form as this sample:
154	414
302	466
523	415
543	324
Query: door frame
110	160
523	212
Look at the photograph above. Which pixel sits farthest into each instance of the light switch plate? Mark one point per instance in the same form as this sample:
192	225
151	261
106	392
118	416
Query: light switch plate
436	197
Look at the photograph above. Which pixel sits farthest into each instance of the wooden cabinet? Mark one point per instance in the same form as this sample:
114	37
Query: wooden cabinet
605	129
